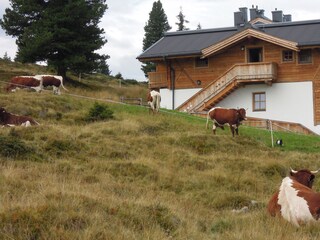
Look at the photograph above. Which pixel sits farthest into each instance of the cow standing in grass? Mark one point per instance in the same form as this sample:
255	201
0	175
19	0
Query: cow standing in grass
295	200
154	99
52	81
222	116
9	119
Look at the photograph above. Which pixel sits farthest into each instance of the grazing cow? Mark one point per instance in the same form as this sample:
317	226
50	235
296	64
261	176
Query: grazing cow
8	119
53	81
154	99
295	201
221	116
32	82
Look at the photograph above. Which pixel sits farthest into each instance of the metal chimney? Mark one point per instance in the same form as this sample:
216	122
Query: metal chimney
241	17
277	16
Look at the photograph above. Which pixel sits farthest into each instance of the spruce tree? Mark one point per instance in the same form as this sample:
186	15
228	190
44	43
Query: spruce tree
63	33
181	21
154	30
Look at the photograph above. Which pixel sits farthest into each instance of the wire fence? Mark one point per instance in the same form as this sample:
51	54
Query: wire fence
265	124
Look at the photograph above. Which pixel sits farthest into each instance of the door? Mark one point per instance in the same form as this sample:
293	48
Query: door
255	54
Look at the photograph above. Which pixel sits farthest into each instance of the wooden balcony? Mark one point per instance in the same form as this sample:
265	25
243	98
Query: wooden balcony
157	79
228	82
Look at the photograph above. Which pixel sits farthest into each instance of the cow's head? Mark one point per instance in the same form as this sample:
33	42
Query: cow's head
2	110
242	114
303	176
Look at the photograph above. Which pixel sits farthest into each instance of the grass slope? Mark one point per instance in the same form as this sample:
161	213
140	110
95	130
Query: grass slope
139	176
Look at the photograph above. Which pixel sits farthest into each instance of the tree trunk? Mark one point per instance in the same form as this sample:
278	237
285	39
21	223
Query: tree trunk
62	71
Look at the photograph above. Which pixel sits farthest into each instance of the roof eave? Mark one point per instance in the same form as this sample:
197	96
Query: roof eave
244	34
168	56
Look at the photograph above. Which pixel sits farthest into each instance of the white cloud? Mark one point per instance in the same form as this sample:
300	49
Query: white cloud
124	23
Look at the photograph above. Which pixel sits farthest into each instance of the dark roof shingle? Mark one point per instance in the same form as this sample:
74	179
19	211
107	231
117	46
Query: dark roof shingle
183	43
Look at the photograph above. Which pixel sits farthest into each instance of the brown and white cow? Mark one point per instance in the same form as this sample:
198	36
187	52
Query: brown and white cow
221	116
31	82
9	119
52	81
154	99
295	200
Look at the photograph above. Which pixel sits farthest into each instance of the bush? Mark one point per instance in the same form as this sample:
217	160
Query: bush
99	112
12	147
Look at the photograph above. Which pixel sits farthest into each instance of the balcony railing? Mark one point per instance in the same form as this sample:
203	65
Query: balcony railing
157	79
239	73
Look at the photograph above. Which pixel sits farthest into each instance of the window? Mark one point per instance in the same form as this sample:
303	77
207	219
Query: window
201	62
287	56
305	56
259	101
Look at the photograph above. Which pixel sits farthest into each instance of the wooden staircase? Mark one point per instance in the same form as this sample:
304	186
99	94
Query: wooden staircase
219	89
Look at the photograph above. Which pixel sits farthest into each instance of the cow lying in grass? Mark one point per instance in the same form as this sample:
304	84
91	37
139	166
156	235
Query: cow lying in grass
37	82
295	200
30	82
8	119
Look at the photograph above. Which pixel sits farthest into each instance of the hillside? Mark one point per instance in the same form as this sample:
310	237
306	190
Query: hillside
138	176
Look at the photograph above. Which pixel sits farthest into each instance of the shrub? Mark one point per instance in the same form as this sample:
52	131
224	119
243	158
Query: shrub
13	147
99	112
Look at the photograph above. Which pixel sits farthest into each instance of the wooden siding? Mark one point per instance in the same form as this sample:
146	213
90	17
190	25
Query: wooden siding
186	74
316	96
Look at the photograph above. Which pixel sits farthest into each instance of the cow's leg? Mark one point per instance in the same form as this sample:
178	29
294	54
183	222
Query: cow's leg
26	124
232	130
56	90
214	127
158	103
237	130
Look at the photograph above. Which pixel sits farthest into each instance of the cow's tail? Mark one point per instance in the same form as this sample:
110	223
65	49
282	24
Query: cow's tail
64	87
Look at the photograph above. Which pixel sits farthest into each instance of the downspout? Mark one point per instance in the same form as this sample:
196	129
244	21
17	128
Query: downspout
172	76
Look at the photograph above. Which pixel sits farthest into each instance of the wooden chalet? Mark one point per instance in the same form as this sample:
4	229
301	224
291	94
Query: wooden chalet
270	67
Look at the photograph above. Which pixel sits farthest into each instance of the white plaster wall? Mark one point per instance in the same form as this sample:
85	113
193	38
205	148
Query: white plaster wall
180	96
292	102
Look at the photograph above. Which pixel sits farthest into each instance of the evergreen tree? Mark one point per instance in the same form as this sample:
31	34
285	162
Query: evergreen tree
199	26
154	30
181	21
63	33
6	57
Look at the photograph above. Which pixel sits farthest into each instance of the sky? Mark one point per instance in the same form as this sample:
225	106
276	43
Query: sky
124	22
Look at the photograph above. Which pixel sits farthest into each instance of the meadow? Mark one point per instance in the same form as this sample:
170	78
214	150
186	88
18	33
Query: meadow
139	176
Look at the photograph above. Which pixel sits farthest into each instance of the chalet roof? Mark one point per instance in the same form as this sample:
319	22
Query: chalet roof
188	43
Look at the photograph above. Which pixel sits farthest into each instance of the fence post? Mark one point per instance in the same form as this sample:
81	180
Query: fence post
270	123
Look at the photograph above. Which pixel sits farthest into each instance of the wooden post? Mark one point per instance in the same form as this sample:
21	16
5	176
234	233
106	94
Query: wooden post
270	123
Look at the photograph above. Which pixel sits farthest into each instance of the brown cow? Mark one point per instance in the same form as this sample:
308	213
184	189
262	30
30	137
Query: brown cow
154	99
52	81
8	119
295	200
31	82
221	116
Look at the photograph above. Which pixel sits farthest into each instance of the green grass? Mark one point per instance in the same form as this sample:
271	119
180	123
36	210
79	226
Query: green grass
138	175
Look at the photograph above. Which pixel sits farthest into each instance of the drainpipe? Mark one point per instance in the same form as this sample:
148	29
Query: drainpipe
172	76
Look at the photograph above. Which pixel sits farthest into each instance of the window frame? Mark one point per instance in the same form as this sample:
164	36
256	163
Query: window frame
287	60
259	102
308	61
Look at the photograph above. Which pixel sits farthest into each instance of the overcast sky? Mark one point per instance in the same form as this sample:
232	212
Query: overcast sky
124	23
